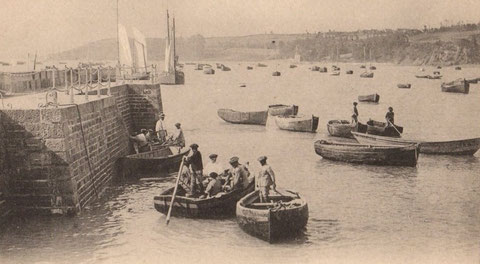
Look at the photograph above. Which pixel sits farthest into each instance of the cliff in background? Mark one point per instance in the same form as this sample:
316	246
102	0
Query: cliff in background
409	47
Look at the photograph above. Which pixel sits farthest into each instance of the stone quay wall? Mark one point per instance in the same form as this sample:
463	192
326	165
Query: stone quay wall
59	160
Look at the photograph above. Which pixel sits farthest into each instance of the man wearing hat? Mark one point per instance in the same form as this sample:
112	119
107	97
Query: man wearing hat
390	117
355	113
214	186
196	167
265	179
238	175
213	165
177	138
160	128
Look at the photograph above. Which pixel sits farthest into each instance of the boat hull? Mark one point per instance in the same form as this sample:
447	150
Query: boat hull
271	225
282	110
368	154
248	118
372	98
161	159
343	128
297	124
454	147
381	129
209	208
457	86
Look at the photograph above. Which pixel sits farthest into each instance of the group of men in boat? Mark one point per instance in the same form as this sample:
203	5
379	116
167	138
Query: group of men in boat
147	137
389	116
208	181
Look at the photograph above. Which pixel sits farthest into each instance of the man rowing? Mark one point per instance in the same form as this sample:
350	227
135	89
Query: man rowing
238	176
140	141
196	169
355	113
390	117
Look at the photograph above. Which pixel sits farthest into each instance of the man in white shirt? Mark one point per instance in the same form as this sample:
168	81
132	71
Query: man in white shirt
177	139
213	166
160	128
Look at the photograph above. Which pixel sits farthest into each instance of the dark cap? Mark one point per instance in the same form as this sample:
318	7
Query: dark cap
355	103
177	124
213	174
162	114
390	108
212	156
233	160
262	158
194	146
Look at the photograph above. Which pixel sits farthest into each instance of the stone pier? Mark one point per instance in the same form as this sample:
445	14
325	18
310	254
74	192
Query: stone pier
60	159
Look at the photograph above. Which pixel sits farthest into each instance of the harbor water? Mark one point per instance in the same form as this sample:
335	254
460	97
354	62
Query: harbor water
358	213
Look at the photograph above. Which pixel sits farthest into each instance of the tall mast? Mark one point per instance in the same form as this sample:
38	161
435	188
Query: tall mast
173	40
118	44
168	27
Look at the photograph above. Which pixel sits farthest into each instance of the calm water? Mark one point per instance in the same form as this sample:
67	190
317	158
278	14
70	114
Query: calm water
427	214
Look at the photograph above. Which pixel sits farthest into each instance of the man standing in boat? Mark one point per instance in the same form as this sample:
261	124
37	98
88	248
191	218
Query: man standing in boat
196	169
177	139
160	128
355	113
390	117
265	180
238	175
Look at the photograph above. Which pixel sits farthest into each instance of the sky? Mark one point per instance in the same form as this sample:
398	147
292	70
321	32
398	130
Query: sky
56	25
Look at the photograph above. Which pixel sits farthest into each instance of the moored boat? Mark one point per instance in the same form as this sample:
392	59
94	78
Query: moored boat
292	66
473	80
457	86
249	118
209	71
381	128
343	128
315	68
458	68
368	154
249	68
362	67
335	73
219	206
366	75
284	216
373	98
282	110
349	72
323	69
163	158
276	73
404	85
225	68
452	147
261	65
372	67
297	123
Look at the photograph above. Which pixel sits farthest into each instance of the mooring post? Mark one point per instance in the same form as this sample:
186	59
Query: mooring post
71	86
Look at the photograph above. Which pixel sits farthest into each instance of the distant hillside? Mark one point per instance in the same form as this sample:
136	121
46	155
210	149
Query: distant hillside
399	46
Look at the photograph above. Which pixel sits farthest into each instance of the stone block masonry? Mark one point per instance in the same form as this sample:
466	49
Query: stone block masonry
58	160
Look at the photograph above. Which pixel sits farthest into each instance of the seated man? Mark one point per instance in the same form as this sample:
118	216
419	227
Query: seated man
214	186
213	166
177	138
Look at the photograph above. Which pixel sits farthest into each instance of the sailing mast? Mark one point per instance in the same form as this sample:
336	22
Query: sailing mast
118	43
174	48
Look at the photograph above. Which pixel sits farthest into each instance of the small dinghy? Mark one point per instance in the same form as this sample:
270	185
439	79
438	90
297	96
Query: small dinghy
284	216
297	123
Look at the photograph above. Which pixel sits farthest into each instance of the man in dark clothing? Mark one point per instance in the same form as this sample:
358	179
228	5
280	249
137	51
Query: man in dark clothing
390	117
196	167
355	113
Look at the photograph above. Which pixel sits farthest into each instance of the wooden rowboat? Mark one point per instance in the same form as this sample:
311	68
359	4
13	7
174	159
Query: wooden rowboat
297	123
276	73
282	110
453	147
161	159
209	71
373	98
473	80
349	72
366	75
404	85
285	216
381	129
219	206
368	154
315	68
343	128
457	86
249	118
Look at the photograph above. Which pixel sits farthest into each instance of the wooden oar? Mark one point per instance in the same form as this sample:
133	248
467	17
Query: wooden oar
175	190
399	134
